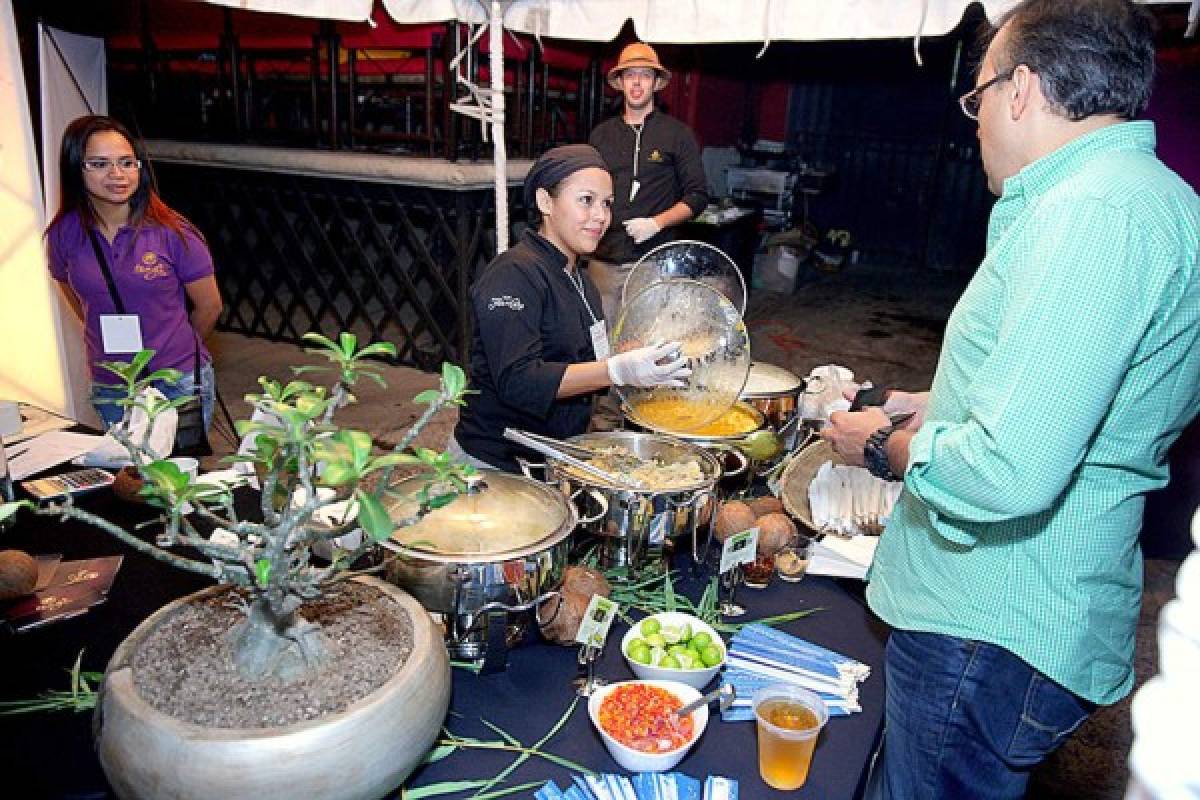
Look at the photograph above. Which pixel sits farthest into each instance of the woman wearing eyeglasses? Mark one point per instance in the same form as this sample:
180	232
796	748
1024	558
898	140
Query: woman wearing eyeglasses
129	265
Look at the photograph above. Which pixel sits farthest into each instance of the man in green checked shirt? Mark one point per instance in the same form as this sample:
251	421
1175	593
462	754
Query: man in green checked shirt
1010	571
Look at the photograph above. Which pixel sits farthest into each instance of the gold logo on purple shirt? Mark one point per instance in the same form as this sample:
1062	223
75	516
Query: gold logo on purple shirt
150	267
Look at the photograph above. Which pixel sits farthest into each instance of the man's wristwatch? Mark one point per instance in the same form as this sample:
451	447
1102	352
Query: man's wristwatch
875	456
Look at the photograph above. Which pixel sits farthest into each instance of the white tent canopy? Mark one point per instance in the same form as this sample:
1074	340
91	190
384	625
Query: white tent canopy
696	21
673	21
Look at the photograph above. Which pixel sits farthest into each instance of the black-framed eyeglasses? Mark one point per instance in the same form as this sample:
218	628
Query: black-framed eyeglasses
971	100
125	164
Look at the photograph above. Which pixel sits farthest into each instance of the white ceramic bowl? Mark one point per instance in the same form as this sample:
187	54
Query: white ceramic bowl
636	760
696	678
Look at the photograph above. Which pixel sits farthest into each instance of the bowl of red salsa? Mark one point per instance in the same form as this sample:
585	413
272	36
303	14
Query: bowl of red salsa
636	720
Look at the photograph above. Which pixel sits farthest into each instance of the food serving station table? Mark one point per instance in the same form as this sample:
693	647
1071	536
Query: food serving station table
51	754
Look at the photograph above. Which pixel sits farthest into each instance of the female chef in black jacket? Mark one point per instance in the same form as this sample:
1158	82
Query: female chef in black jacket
539	323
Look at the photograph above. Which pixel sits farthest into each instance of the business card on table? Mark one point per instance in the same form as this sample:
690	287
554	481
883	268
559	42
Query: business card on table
51	605
93	573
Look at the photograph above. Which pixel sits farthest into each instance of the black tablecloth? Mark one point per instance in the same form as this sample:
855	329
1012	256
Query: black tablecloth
52	754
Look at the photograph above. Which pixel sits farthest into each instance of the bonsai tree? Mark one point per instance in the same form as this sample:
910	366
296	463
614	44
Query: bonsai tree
297	446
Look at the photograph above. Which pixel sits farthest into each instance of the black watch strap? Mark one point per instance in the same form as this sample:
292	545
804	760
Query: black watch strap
875	456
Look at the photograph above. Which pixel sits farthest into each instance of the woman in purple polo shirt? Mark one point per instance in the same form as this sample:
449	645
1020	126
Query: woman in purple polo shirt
157	260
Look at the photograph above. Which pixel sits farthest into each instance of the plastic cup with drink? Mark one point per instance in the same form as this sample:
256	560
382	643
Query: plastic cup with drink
789	720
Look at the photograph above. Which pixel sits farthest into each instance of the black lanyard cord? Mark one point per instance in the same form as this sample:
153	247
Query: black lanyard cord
108	276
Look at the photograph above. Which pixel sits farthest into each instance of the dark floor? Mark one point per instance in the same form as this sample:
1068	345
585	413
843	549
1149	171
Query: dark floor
884	324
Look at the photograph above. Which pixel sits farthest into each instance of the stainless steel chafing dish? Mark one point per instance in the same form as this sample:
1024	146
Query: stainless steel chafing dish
737	469
483	562
778	393
634	523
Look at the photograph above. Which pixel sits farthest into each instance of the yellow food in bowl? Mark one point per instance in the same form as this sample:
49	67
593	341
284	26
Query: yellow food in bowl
734	422
674	413
682	415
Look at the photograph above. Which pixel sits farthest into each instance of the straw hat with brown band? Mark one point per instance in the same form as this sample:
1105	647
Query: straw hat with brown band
639	54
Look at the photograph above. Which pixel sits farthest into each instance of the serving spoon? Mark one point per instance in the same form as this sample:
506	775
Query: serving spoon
725	693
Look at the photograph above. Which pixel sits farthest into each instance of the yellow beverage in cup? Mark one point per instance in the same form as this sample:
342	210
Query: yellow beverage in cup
789	719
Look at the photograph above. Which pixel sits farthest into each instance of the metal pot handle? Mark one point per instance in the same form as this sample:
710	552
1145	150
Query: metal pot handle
497	606
741	457
697	559
537	616
527	467
598	497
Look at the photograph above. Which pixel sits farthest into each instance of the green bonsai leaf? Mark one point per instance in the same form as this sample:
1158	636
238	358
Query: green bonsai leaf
154	405
427	397
348	342
338	473
262	571
139	361
454	380
212	493
359	443
165	475
245	427
311	405
377	349
307	368
442	500
323	343
294	418
373	517
297	388
373	375
168	375
350	446
393	460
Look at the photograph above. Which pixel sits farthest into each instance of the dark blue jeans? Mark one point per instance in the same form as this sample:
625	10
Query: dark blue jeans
111	413
965	720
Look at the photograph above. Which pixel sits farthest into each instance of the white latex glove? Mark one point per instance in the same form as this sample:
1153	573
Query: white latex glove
641	228
641	367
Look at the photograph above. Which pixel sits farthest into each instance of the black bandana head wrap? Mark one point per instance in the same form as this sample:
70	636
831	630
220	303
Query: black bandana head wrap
557	165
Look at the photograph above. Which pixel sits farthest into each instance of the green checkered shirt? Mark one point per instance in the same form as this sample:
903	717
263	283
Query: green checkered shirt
1070	365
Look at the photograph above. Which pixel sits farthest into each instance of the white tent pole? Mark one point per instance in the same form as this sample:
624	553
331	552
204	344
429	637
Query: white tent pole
500	158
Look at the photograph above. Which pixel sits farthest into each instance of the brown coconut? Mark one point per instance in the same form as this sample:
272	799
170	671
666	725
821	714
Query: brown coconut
585	581
774	531
563	615
765	505
18	574
734	517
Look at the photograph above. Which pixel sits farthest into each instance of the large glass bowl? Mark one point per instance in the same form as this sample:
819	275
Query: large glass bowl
687	258
713	339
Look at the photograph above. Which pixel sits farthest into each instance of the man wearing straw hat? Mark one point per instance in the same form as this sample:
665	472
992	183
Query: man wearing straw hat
658	181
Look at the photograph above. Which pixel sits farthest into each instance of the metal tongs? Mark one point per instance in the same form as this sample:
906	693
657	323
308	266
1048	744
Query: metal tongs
562	451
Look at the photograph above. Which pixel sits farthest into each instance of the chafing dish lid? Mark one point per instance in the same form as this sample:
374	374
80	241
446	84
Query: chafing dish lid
509	514
767	380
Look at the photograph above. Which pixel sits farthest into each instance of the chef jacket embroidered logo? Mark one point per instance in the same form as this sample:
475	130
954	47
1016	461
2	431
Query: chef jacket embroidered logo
150	267
656	156
506	301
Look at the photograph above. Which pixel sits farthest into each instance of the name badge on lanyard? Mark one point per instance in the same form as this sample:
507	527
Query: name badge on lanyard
120	333
599	334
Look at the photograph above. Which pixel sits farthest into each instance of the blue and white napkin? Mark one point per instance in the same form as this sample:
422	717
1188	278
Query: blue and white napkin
760	655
